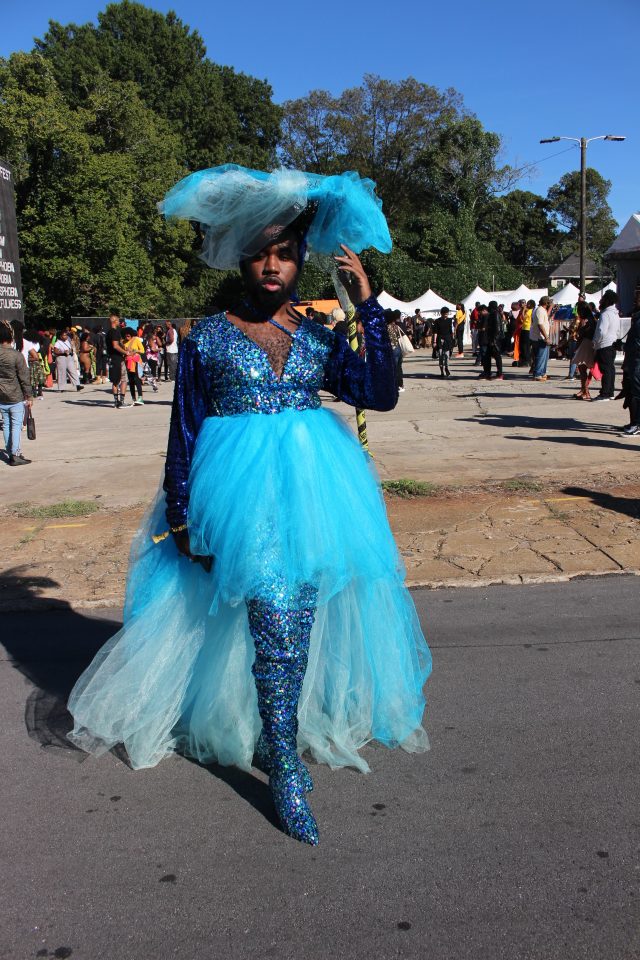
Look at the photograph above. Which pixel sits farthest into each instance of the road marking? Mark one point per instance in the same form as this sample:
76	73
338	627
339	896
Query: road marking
58	526
55	526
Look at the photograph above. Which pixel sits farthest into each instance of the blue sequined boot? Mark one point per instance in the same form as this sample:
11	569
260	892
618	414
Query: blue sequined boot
281	628
276	683
262	757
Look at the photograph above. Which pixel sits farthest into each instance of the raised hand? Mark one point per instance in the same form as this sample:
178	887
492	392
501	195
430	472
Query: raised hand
353	277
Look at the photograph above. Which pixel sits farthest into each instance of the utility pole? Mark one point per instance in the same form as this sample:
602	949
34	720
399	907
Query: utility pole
583	210
583	141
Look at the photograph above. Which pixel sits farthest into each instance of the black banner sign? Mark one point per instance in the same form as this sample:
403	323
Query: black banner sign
10	285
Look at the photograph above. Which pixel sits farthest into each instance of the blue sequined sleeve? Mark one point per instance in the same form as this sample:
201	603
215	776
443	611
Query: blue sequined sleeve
187	414
370	384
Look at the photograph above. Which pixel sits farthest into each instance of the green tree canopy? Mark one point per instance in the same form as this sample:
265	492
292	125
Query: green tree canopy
221	116
564	205
87	183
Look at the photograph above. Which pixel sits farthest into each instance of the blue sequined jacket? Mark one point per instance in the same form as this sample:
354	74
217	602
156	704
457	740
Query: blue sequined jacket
222	372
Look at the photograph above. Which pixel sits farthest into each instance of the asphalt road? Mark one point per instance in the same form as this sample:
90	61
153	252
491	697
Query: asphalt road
517	836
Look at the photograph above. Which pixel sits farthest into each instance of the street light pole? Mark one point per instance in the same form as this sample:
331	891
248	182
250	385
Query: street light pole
583	141
583	211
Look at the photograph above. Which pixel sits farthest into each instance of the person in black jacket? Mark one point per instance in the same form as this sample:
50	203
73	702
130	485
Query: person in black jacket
631	373
490	333
443	339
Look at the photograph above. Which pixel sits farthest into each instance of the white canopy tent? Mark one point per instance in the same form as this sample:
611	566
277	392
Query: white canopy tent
429	304
523	292
566	295
387	302
597	296
477	295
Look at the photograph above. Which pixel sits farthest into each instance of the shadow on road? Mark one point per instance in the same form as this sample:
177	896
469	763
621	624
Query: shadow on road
109	403
582	442
52	648
628	506
514	421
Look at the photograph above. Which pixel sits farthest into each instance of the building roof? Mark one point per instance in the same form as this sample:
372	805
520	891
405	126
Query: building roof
570	268
628	240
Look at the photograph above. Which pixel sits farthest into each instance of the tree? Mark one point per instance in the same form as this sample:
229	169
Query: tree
521	228
220	116
378	129
458	166
564	203
87	181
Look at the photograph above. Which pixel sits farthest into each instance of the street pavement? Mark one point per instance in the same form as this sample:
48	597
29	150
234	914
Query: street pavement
517	836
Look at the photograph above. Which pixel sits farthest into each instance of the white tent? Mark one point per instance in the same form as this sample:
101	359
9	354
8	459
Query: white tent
430	302
624	254
536	292
523	292
477	295
566	295
597	296
387	302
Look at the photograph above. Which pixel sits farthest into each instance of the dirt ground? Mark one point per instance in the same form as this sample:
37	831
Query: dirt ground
474	536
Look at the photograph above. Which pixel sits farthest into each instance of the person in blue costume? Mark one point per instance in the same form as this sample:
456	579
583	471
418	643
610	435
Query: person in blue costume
274	620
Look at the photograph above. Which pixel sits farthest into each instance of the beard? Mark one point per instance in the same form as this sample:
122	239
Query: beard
270	301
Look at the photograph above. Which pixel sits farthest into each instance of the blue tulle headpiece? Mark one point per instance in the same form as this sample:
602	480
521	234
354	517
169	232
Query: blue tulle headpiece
240	209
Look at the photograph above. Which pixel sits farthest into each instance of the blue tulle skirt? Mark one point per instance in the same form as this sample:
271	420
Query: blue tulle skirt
288	495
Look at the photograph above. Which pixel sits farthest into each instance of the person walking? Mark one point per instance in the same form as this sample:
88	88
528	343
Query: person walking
461	322
395	331
268	582
491	332
33	342
444	340
539	336
87	356
102	357
117	367
604	343
172	348
153	358
15	395
585	355
134	353
526	311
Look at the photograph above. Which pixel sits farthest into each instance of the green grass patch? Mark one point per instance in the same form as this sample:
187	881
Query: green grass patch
522	485
56	511
409	488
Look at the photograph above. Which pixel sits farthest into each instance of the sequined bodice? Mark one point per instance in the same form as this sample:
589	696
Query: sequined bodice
240	378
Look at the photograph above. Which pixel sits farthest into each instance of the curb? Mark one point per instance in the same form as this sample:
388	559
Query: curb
518	580
45	604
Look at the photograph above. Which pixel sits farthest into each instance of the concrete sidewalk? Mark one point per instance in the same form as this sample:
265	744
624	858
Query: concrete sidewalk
529	485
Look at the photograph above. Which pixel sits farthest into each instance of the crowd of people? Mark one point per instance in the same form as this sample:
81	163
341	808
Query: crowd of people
132	356
128	354
522	334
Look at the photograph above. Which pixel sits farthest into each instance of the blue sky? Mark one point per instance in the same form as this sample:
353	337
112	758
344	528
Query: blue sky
568	67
